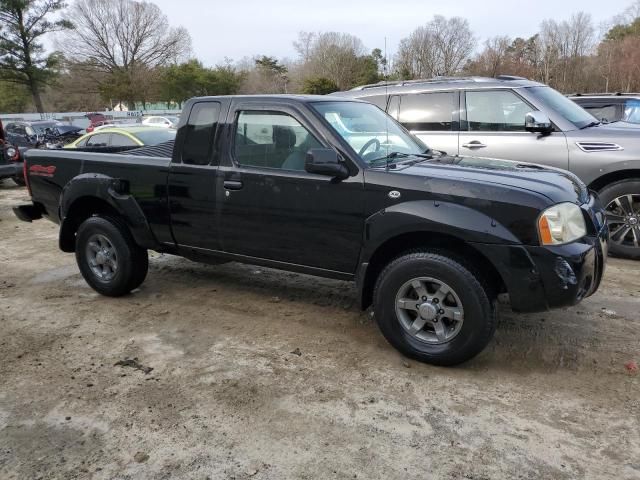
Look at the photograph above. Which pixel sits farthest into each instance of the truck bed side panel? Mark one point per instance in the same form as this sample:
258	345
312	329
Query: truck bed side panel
51	171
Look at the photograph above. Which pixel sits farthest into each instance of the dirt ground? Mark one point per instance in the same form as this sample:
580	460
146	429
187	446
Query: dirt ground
260	374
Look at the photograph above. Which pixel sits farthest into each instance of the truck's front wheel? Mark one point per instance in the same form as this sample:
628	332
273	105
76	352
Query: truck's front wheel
432	308
108	257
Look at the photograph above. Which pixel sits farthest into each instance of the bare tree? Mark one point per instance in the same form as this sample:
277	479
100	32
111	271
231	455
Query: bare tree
441	47
124	38
339	58
304	44
493	60
563	48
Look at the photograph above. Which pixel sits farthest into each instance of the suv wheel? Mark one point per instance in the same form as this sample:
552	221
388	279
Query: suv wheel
432	308
622	200
109	259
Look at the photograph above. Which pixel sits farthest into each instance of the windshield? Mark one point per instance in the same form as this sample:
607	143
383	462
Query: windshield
154	137
632	111
565	107
369	131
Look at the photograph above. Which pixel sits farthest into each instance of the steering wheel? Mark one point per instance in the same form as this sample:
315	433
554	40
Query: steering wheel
373	141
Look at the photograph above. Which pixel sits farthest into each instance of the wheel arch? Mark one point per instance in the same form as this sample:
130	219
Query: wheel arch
459	249
92	194
77	212
613	177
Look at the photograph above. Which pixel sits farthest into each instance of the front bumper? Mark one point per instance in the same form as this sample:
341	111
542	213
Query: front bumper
11	170
541	278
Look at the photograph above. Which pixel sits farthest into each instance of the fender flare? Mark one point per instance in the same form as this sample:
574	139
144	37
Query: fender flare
426	216
114	192
460	221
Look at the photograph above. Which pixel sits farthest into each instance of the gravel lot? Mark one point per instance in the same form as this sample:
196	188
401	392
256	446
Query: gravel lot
262	374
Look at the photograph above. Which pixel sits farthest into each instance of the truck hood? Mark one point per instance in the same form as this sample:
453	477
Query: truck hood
555	184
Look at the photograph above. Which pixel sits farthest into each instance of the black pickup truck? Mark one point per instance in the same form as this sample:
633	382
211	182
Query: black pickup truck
334	188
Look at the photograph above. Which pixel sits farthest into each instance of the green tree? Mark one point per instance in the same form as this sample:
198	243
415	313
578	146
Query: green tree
14	98
367	70
319	86
191	79
621	31
23	60
271	65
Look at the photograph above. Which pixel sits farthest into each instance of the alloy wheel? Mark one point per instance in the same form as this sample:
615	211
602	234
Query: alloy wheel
429	310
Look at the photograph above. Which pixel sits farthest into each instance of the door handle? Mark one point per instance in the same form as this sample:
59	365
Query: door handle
233	184
474	144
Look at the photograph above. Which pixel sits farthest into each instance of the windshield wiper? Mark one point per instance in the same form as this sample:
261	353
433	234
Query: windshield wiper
592	124
388	158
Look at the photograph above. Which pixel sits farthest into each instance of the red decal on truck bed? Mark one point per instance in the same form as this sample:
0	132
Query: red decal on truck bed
42	171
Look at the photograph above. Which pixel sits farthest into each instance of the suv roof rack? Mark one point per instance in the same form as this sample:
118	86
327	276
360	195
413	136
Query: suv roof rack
510	77
608	94
401	83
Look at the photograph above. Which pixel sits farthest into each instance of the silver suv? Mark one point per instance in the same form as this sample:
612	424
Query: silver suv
516	119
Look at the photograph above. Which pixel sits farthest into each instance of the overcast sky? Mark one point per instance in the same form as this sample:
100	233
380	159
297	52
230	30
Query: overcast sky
239	28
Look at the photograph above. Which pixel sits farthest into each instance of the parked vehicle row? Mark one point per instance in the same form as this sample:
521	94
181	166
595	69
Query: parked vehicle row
101	121
623	109
516	119
333	187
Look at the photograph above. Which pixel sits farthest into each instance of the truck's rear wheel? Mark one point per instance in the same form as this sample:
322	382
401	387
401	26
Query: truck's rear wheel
622	203
432	308
109	259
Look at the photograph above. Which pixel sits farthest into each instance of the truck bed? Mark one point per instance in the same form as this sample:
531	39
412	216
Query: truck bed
50	171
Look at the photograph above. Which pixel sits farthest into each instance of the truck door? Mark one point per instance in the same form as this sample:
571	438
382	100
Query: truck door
272	208
492	125
192	178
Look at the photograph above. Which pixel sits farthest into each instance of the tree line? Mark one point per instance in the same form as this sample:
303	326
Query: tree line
125	52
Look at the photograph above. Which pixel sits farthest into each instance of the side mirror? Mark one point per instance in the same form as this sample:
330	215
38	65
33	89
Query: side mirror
537	122
325	161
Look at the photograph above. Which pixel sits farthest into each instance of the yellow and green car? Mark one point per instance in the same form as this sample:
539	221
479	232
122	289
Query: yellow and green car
124	137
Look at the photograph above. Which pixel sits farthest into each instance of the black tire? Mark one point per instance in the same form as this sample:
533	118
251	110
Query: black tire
622	248
132	260
20	181
479	310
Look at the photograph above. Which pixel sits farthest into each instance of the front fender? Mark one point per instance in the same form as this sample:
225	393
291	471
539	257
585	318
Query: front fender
446	218
110	190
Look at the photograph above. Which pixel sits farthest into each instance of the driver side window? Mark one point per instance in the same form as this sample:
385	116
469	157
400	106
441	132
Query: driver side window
272	140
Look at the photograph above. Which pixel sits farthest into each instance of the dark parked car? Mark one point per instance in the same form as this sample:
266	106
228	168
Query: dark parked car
335	188
612	107
10	159
517	119
40	134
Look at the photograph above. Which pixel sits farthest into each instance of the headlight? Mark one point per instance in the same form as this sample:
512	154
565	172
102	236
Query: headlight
562	223
12	153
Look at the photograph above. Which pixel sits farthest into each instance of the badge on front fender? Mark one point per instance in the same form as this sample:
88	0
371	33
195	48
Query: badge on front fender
394	194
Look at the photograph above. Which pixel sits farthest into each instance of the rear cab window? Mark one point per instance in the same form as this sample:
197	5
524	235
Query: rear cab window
199	134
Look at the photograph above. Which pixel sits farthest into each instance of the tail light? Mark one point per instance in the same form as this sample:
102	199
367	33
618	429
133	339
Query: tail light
26	177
